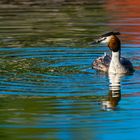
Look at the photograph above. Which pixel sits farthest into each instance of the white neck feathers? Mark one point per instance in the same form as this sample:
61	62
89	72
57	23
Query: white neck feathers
115	65
115	58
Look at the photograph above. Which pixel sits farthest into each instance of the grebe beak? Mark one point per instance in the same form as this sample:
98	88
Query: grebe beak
96	41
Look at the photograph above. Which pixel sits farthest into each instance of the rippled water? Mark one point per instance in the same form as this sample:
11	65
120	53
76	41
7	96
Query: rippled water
48	88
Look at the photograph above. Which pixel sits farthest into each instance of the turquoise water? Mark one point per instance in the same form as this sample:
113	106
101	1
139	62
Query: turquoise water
48	88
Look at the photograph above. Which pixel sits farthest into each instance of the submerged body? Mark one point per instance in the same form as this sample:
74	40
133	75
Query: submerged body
115	63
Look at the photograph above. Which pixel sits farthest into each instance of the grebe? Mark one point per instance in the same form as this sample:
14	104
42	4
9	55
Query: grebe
112	64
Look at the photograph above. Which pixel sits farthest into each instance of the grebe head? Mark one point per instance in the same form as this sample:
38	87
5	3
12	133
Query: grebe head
111	40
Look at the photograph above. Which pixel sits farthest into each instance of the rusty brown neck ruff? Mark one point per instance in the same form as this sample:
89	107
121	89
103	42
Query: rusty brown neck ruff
114	44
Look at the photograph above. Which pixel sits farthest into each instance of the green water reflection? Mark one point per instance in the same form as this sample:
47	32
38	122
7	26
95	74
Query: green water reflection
39	117
68	24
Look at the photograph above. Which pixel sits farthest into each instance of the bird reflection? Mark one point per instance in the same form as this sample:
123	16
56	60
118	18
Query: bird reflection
114	94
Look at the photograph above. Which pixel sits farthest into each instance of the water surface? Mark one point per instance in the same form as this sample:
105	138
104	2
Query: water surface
48	88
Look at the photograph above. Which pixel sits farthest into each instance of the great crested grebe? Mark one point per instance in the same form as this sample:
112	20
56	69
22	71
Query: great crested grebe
114	64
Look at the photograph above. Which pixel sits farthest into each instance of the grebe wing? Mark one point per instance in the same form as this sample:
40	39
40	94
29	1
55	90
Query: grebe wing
102	63
126	63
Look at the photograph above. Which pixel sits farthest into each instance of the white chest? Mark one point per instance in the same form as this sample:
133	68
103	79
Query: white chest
115	64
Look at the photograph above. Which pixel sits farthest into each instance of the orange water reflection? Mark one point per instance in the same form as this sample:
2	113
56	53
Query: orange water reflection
124	16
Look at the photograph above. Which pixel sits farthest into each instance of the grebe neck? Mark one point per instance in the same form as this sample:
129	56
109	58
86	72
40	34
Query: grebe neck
116	57
115	64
